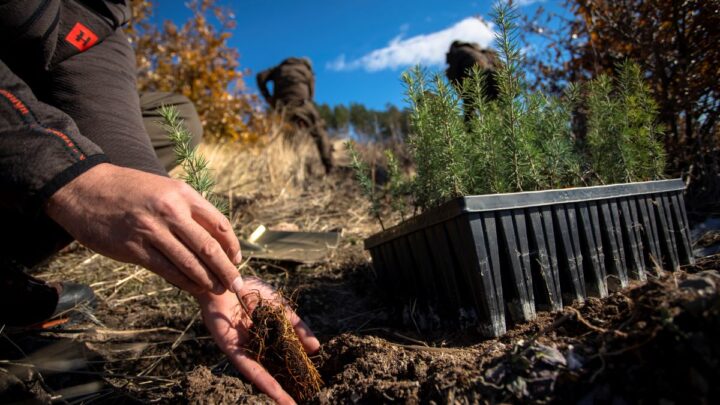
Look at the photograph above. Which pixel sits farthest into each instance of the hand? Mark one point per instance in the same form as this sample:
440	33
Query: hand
229	324
153	221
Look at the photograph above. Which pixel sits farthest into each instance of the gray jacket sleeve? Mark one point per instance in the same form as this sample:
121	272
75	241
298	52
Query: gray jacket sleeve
41	148
69	96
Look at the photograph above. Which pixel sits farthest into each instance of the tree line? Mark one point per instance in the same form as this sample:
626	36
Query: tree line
391	124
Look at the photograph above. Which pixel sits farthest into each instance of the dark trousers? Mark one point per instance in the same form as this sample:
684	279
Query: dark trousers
29	241
305	115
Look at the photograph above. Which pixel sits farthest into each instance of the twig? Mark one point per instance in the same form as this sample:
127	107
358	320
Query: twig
401	336
84	372
592	327
430	348
134	297
175	344
115	332
626	349
545	331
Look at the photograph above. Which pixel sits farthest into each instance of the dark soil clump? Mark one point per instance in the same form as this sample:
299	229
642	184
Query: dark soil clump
203	387
658	342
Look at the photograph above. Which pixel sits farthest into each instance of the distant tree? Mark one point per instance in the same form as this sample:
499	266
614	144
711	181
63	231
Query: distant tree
342	118
391	124
195	60
676	45
362	120
326	113
394	123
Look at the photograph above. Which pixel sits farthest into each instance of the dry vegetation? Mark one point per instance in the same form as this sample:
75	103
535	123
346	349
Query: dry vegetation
146	332
146	341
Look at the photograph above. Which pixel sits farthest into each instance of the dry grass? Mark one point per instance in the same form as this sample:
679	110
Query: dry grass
278	166
144	328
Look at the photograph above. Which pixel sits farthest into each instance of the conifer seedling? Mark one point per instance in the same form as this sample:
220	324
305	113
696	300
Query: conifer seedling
464	144
275	344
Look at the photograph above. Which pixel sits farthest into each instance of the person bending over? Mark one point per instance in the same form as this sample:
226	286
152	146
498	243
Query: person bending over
77	162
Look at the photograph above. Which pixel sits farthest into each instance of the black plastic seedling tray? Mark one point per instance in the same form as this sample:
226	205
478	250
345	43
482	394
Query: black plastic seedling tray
496	259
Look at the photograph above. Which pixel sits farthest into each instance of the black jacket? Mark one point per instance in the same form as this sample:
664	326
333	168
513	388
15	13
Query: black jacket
68	97
293	82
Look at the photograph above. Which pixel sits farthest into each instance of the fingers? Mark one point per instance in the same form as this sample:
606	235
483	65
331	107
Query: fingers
206	248
160	265
310	343
185	260
219	227
254	372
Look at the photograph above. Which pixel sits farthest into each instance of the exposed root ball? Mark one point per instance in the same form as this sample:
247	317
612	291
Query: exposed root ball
277	347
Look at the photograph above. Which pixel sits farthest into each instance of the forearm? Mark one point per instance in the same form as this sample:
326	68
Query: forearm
41	149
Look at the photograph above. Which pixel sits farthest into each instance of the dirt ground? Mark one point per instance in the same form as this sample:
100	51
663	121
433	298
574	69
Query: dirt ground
145	342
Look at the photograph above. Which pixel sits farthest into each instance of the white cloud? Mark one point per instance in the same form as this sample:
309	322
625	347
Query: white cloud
523	3
427	49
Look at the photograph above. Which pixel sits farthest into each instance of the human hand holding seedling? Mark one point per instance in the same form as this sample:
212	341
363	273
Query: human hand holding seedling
255	322
229	323
159	223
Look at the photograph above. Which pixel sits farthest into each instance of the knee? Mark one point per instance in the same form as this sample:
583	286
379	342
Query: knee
189	115
151	101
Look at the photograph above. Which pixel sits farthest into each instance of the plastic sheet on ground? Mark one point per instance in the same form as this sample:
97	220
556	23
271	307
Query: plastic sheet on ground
291	246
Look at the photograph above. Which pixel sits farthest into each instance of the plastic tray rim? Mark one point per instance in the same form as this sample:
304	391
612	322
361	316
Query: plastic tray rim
525	199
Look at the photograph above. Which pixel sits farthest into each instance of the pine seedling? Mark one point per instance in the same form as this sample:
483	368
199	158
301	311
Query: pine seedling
624	141
646	155
438	140
603	135
449	126
423	148
490	166
195	166
510	87
550	120
367	186
397	186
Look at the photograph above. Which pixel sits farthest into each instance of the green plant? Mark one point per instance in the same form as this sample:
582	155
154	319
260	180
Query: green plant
462	143
367	186
397	187
195	166
195	59
438	141
622	135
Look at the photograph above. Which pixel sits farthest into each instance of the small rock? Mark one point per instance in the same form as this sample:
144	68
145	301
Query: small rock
548	355
705	281
574	360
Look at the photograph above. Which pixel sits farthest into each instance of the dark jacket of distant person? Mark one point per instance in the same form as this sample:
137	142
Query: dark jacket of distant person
293	92
461	58
293	82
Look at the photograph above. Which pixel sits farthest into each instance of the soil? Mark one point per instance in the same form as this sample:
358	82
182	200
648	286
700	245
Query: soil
651	343
201	386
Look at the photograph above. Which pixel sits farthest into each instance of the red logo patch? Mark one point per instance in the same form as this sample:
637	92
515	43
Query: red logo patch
81	37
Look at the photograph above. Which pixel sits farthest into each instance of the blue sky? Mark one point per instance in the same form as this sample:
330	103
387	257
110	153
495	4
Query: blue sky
359	48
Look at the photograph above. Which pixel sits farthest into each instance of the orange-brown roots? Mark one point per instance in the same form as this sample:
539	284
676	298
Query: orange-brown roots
276	346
